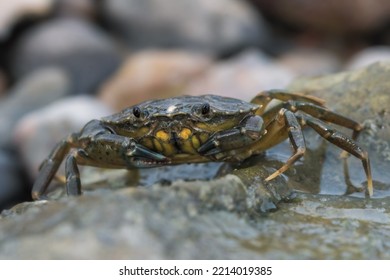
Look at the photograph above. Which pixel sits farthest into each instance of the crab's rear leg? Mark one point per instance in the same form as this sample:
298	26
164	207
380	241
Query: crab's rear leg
265	97
296	139
51	164
341	141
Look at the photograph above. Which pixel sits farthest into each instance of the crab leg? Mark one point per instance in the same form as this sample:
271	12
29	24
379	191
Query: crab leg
297	141
341	141
51	164
265	97
321	113
73	184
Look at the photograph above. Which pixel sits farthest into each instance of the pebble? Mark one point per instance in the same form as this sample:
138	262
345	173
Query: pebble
215	27
34	91
309	61
242	77
332	16
12	11
152	74
83	50
37	133
369	56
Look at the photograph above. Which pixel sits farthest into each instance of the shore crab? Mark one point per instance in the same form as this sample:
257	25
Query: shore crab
193	129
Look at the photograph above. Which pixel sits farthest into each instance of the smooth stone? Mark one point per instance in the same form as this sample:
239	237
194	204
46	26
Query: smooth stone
34	91
215	27
37	133
152	74
87	54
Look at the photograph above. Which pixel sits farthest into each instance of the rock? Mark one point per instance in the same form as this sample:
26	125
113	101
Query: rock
212	26
309	61
152	74
369	56
34	91
241	77
81	8
84	51
14	182
37	133
330	16
12	11
361	95
179	222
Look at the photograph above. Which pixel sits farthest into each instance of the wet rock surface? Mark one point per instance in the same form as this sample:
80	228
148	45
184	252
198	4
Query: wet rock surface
195	220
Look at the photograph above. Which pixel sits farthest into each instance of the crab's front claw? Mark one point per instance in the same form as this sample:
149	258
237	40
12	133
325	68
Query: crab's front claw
137	150
138	156
238	137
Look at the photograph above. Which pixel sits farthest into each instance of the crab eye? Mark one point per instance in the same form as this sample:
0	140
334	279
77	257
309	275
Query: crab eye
137	112
205	108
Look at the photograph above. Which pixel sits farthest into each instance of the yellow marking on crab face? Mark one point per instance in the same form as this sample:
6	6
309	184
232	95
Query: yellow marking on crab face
185	133
162	135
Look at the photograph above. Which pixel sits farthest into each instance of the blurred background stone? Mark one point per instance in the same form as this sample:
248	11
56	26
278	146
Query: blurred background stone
332	16
215	27
83	50
12	11
310	61
243	76
152	74
369	56
38	132
34	91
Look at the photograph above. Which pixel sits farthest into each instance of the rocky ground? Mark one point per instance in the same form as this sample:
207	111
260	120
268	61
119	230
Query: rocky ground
65	62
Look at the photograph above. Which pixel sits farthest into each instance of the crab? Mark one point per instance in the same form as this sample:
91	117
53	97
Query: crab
194	129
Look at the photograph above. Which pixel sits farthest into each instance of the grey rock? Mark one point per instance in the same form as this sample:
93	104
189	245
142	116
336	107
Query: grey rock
84	51
242	76
212	26
197	220
34	91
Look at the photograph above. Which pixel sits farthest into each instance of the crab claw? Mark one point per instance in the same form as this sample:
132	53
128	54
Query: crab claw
137	150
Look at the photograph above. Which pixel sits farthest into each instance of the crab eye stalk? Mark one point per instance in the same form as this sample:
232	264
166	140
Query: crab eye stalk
137	112
205	108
